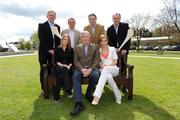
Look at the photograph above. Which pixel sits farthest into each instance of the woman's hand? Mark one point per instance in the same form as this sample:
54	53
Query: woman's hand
102	66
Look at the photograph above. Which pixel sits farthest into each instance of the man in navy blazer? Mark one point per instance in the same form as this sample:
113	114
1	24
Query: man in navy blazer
48	42
117	33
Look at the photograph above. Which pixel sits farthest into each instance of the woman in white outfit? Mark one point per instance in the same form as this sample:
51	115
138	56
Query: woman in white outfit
108	70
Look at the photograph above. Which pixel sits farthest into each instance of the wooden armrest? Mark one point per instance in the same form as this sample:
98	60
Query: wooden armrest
129	66
129	71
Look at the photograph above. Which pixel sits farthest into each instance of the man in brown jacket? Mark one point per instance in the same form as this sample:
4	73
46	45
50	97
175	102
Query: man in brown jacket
94	29
86	60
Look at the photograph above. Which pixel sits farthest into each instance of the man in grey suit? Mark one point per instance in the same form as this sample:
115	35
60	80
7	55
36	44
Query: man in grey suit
86	60
73	33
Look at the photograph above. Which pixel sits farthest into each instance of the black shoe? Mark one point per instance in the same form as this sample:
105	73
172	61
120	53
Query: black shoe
77	109
90	98
56	98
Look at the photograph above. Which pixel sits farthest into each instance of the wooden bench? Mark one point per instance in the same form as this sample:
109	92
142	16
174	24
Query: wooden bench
124	80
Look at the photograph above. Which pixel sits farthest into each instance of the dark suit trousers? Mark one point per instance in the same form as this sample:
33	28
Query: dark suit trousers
41	62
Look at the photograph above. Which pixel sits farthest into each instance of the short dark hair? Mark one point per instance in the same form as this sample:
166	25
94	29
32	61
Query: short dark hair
71	19
51	11
92	14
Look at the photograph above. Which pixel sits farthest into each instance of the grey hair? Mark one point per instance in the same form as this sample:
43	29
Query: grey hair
85	33
116	14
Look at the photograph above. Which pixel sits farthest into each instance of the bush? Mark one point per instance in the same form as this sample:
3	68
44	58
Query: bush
176	39
28	45
21	46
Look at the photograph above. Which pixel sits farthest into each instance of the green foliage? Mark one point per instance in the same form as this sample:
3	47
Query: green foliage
28	45
35	40
176	39
21	44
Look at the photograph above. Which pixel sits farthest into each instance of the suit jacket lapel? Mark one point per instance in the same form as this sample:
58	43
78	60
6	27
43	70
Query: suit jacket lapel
49	29
75	34
82	50
90	31
89	50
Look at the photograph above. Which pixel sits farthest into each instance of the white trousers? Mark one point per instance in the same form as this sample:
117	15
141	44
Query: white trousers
107	74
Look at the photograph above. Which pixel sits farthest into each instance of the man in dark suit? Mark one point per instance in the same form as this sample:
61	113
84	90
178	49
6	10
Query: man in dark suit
86	60
48	42
117	33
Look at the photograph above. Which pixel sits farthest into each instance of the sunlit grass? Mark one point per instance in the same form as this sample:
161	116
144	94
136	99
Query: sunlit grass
156	93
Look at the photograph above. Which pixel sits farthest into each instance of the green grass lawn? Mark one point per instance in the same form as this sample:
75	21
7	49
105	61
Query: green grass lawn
156	93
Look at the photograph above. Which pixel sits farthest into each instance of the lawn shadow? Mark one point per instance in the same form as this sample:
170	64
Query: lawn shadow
140	104
106	110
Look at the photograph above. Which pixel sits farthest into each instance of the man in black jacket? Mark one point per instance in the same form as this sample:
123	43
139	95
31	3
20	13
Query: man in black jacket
117	33
48	42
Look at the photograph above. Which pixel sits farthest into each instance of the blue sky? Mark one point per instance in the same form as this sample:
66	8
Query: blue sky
20	18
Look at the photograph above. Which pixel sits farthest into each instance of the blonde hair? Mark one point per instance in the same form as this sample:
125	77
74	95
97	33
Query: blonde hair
101	37
69	41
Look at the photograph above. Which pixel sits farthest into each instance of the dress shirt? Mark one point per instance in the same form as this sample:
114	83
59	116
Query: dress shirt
71	35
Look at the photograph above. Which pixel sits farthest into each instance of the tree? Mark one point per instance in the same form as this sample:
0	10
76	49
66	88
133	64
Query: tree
28	45
21	44
165	30
138	23
35	40
169	19
176	39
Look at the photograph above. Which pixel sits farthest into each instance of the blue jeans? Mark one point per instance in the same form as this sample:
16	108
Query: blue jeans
77	79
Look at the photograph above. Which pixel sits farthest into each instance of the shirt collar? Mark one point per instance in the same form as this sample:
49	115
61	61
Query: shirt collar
116	25
51	24
86	45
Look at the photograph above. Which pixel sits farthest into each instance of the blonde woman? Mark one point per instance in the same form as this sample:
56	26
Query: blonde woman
108	70
64	57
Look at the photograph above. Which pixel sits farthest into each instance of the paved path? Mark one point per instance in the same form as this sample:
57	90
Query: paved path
176	58
17	55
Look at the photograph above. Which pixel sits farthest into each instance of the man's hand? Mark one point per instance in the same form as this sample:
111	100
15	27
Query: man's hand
123	52
118	50
89	71
51	52
86	72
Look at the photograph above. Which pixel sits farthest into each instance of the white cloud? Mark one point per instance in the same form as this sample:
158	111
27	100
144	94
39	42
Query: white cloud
23	23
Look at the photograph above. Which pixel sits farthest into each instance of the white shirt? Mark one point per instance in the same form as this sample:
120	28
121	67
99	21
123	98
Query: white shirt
116	28
71	35
111	56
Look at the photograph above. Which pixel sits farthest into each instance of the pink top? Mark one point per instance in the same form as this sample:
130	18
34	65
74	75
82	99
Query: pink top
105	55
107	59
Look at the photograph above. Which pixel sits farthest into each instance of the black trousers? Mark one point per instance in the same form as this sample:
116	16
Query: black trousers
62	80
